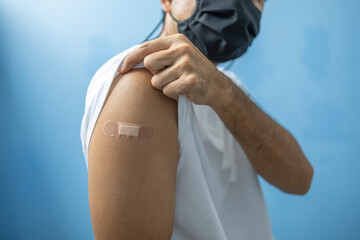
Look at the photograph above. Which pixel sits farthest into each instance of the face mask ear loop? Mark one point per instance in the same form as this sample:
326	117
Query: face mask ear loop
157	26
230	65
172	16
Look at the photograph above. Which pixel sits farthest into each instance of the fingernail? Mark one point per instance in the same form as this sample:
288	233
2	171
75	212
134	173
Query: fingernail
122	69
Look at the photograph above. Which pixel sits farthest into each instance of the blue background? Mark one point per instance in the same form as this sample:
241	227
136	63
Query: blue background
303	70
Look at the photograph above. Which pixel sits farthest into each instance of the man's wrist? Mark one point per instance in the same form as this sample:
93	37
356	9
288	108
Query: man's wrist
222	93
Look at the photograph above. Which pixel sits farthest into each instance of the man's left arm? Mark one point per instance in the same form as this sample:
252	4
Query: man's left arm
179	68
272	150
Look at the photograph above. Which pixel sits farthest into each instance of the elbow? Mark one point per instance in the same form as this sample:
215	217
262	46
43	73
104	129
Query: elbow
306	183
303	183
302	174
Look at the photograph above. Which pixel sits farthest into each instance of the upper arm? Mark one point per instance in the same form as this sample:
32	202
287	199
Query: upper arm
132	182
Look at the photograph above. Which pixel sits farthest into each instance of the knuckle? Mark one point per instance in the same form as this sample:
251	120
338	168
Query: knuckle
166	91
144	44
185	64
174	50
179	50
143	51
181	65
184	48
154	82
128	58
186	59
191	80
147	62
180	36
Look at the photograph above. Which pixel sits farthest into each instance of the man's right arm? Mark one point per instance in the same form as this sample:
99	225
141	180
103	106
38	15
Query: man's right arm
132	182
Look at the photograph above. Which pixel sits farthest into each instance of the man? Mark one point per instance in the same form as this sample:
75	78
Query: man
132	184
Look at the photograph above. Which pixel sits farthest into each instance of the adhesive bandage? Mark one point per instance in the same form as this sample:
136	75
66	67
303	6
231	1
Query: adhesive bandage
128	130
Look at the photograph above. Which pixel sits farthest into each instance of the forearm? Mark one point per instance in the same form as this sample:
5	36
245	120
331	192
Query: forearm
272	150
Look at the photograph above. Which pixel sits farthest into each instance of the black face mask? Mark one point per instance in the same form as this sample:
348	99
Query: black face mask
222	29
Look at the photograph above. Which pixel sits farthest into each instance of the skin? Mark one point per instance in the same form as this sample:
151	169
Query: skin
183	9
132	182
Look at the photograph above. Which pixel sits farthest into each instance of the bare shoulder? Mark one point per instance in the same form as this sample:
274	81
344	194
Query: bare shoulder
134	90
133	99
132	182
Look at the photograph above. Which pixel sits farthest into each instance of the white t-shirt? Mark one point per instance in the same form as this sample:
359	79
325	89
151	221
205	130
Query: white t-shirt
218	195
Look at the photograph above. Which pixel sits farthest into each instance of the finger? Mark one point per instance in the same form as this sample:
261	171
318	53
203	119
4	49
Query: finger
165	76
176	88
157	61
146	48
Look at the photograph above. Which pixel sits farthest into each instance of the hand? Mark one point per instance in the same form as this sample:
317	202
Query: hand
178	67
